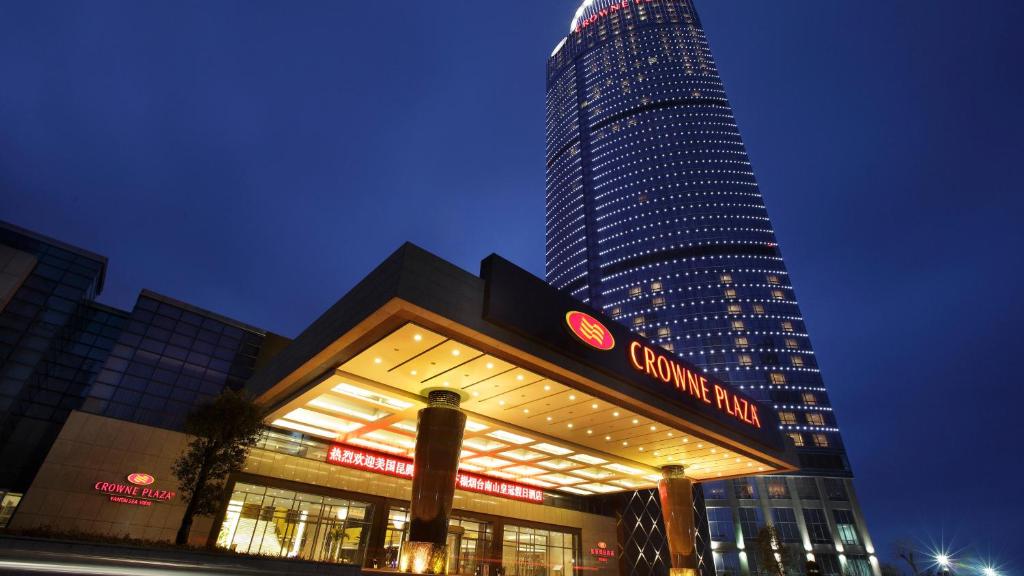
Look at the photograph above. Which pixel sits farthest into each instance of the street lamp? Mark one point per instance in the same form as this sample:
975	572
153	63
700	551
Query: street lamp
944	562
989	571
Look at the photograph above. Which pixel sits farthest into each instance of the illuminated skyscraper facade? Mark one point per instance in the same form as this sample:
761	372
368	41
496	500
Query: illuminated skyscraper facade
654	216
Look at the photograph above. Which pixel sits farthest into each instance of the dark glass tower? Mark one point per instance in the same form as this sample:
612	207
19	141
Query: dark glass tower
654	215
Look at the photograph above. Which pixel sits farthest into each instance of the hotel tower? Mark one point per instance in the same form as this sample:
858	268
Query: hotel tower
655	217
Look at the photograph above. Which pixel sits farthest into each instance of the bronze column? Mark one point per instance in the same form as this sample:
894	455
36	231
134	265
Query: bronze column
439	432
676	493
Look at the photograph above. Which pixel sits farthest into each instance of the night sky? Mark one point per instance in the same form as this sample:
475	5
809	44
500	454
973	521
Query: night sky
259	158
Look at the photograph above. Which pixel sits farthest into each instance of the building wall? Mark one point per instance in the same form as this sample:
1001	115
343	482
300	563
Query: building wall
93	448
655	216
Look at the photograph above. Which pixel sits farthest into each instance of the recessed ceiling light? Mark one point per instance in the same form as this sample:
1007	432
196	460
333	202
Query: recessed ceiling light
490	365
624	443
377	360
519	377
412	372
700	445
590	431
671	434
607	438
641	448
594	406
572	396
549	418
456	352
546	387
501	402
635	421
475	393
569	425
616	414
653	428
417	337
526	410
714	450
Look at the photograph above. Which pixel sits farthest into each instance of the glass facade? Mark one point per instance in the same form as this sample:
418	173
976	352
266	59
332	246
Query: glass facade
169	357
53	339
654	216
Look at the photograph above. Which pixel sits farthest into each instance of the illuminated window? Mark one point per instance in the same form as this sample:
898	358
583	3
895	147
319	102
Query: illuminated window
777	488
664	331
787	326
778	378
735	309
792	343
744	488
758	308
815	419
638	320
730	293
809	398
787	418
778	294
669	346
658	301
846	527
773	279
635	291
742	342
737	324
797	438
745	360
820	440
726	278
797	361
656	287
616	312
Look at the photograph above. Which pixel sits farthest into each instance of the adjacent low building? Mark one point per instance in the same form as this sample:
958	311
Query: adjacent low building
432	420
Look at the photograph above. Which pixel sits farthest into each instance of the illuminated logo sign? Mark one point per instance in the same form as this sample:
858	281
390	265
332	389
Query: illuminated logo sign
590	330
141	479
136	493
604	12
662	367
602	552
403	467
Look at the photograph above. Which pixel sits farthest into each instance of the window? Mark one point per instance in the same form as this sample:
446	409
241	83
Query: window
658	301
829	564
635	291
656	287
858	566
720	524
745	359
778	294
797	361
744	488
750	522
735	309
792	343
638	320
787	326
836	490
846	527
758	308
797	438
815	419
777	488
669	346
773	279
714	490
820	440
737	325
616	312
727	563
787	418
725	278
664	331
784	520
809	398
532	552
742	342
8	503
817	526
730	293
778	378
807	489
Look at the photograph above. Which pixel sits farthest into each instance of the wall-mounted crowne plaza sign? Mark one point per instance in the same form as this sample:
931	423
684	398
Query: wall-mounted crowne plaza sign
136	492
589	330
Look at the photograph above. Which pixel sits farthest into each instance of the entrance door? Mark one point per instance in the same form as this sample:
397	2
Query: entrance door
454	549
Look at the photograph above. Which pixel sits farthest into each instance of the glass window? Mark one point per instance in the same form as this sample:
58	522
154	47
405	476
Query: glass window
735	309
858	566
815	419
792	343
745	359
664	331
846	527
797	361
817	526
8	503
777	488
784	520
535	552
276	522
727	563
715	490
742	342
829	564
750	522
656	287
787	417
726	278
820	440
635	291
807	489
737	325
744	488
773	279
809	398
658	301
778	378
778	294
758	308
721	525
730	293
787	326
836	489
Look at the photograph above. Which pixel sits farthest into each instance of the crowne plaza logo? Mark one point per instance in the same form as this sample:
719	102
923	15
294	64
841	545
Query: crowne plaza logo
589	330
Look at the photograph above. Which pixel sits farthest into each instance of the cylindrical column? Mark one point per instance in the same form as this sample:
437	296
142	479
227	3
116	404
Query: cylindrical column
438	443
676	493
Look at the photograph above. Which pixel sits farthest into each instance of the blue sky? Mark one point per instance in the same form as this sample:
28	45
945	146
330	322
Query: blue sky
258	158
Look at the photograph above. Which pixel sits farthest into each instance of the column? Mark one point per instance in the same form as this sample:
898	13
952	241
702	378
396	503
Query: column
439	432
676	493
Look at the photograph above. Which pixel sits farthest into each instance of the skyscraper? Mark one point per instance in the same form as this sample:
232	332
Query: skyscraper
654	216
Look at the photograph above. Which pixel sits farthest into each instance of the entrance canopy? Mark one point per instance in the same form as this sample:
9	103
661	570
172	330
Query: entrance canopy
557	395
